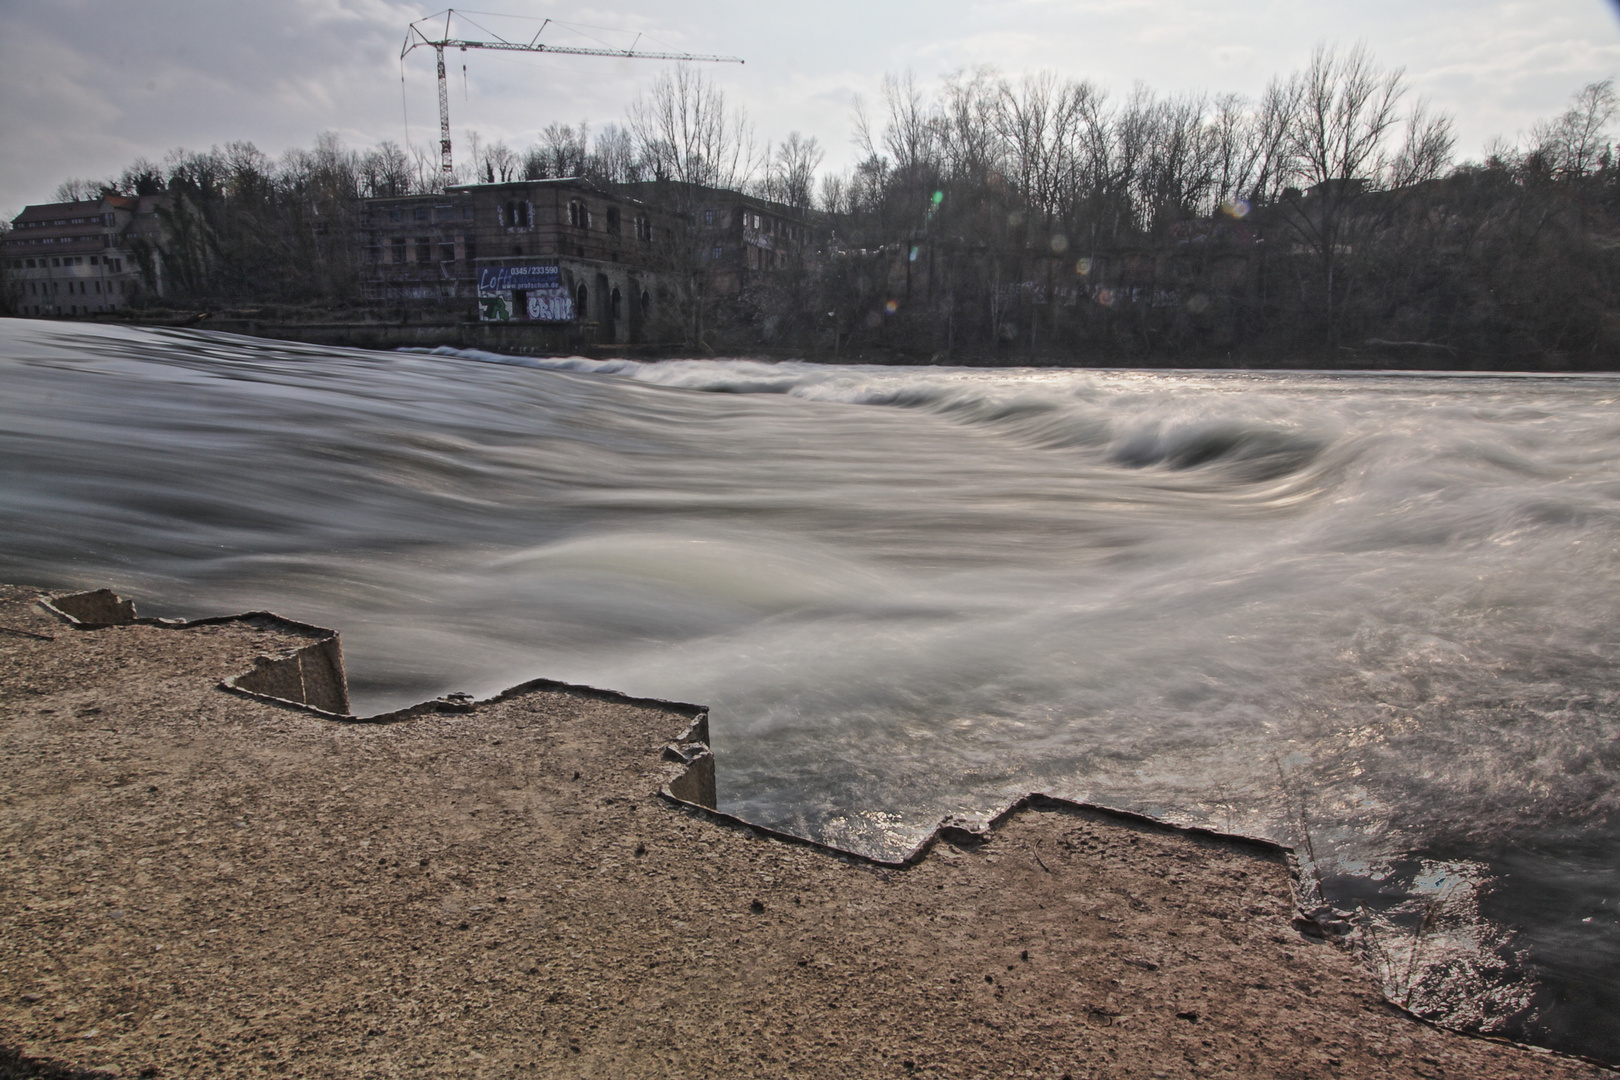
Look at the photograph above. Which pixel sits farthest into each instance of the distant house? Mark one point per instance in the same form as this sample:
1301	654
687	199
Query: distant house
539	251
82	258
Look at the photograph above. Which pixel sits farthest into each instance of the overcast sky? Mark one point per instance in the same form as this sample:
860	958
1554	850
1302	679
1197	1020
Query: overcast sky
86	86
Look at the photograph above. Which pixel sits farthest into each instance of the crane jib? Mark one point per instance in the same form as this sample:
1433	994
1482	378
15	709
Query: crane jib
415	39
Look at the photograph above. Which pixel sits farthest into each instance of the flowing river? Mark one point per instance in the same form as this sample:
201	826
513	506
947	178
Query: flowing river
1376	617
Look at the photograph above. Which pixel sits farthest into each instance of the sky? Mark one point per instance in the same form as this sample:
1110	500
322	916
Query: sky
87	86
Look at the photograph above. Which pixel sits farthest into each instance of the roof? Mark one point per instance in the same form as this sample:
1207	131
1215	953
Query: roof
713	196
584	183
143	204
576	180
52	211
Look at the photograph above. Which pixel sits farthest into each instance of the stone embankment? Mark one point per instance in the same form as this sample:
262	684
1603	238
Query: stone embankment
197	880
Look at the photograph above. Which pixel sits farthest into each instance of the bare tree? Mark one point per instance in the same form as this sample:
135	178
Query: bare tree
1425	153
76	190
614	160
1574	143
694	146
565	149
1339	141
496	163
386	171
911	137
1270	136
834	196
686	134
1347	105
791	173
1181	167
969	146
427	170
1037	127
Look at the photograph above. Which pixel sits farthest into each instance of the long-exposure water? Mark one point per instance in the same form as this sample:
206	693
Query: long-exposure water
1372	616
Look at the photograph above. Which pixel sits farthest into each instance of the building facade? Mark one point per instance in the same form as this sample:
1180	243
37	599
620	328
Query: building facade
747	239
736	240
82	258
560	252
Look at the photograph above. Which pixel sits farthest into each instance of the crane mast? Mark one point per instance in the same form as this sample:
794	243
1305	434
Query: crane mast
417	38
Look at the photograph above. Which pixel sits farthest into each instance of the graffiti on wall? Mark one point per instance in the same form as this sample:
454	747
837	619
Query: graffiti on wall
551	305
532	293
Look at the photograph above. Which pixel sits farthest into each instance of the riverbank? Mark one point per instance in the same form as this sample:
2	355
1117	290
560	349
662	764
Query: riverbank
205	883
372	330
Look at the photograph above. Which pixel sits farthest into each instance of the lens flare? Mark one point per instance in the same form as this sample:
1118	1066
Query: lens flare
892	306
1082	267
1060	243
1236	208
939	197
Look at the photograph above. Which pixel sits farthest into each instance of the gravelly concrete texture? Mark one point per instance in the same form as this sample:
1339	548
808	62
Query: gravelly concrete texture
194	883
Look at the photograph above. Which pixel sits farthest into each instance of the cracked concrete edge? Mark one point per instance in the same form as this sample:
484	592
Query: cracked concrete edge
689	781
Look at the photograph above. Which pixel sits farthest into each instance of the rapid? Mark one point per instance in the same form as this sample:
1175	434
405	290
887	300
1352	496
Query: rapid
1372	616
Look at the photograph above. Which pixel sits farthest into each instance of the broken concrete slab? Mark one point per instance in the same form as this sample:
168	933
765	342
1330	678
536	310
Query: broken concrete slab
196	883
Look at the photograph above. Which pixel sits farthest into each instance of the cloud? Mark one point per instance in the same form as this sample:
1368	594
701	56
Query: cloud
87	88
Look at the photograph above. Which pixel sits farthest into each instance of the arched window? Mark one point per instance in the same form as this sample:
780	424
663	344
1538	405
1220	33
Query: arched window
646	302
578	216
613	220
581	307
517	214
616	304
643	228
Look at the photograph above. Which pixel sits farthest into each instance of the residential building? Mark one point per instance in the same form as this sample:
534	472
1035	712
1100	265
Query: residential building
82	258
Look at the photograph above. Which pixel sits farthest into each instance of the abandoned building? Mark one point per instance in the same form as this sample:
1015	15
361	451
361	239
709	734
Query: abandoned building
542	264
83	258
560	252
748	237
737	239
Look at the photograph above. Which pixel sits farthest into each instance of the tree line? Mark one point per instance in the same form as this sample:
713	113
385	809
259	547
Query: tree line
1032	219
1042	219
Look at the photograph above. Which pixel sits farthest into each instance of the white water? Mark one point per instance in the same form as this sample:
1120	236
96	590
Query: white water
1373	616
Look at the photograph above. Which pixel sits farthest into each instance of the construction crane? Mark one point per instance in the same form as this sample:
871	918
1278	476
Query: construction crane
416	38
